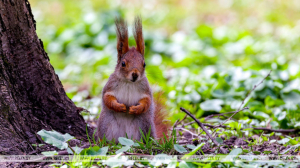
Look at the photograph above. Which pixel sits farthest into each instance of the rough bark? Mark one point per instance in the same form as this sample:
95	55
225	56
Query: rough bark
31	95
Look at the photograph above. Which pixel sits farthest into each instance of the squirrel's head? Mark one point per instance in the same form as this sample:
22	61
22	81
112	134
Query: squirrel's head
131	62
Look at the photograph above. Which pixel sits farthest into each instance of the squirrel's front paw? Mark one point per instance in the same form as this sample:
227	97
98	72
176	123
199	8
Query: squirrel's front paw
121	108
136	109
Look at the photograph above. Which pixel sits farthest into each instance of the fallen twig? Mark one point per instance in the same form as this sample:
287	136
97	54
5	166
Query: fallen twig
188	132
239	109
201	125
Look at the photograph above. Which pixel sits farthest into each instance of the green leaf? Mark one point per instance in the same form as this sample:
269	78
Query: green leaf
267	152
256	152
291	97
184	164
193	151
95	150
76	149
236	151
219	140
173	163
125	141
118	161
179	148
284	141
293	142
138	164
245	151
123	149
191	146
55	138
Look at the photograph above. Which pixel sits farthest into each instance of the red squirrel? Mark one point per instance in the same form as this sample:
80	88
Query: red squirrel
127	101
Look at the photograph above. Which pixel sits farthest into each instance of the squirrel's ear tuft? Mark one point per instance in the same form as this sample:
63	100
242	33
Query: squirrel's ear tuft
122	35
138	35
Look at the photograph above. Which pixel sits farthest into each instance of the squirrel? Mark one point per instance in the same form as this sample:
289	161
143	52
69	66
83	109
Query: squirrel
127	101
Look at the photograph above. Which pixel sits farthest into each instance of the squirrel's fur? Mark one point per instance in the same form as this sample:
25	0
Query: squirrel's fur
127	101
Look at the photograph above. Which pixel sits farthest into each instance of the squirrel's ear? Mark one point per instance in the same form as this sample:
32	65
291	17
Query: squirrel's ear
138	35
122	35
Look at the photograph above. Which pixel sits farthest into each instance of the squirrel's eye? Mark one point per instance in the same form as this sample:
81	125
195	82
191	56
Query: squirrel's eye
144	65
123	64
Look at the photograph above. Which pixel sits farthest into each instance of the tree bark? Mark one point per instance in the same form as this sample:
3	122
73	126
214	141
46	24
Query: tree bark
31	95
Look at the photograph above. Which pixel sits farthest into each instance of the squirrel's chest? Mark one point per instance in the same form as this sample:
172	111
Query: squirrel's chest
128	94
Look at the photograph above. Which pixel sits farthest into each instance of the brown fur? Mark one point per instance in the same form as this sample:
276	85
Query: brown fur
161	124
138	35
127	100
122	35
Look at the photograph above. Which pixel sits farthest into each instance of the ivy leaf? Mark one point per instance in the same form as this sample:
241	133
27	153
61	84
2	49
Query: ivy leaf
55	138
123	149
125	141
179	148
191	146
219	140
95	150
284	141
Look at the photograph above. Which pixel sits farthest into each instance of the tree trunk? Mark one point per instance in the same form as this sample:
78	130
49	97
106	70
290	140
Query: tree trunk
31	95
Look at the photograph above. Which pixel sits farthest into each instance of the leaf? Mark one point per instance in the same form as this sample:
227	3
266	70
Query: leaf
212	105
236	151
184	164
260	115
191	146
193	151
267	152
76	149
138	164
293	142
219	140
284	141
291	97
245	151
118	161
256	152
179	148
95	150
272	141
55	138
123	149
173	163
125	141
136	144
50	153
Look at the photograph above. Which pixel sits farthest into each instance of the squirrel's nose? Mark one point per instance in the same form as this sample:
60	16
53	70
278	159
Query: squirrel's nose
134	77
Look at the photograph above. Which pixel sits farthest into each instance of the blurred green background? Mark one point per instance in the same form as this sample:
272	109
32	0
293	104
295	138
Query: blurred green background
205	55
